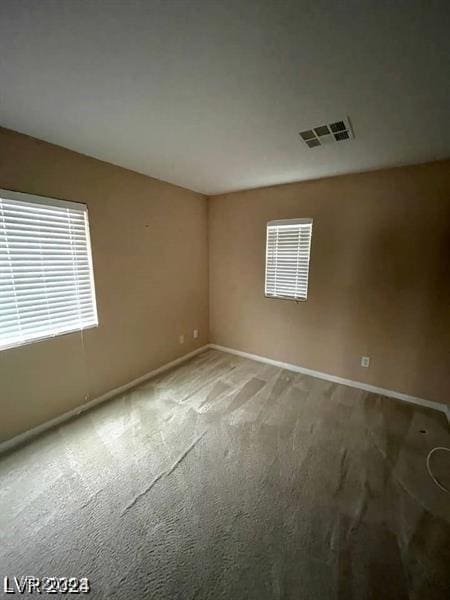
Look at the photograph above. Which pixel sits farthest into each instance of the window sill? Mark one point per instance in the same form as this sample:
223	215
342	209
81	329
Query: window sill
46	337
285	298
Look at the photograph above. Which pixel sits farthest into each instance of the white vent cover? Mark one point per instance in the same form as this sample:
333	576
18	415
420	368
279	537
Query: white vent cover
329	133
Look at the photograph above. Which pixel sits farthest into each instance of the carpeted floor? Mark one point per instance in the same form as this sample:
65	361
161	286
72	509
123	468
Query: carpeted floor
231	479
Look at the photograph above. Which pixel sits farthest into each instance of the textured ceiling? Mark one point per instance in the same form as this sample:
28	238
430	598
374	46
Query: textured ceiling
211	95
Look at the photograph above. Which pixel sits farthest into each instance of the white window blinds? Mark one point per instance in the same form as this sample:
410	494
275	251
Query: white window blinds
46	276
288	246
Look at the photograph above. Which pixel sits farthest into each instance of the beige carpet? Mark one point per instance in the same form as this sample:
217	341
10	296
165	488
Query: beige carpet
230	479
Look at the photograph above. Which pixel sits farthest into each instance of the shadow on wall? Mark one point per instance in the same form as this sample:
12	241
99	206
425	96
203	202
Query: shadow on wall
402	271
433	329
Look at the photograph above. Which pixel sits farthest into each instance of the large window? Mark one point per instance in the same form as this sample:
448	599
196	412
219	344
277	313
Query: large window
288	244
46	276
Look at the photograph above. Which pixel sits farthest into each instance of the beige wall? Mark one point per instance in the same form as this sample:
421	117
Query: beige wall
379	277
149	243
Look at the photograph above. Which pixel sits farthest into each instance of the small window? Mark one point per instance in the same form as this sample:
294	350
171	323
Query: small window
46	276
288	246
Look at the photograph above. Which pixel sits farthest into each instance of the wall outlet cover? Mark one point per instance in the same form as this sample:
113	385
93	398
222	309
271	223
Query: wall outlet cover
195	334
365	361
181	339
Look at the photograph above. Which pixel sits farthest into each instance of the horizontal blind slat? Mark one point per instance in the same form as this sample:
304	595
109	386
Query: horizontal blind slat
40	225
45	207
27	298
29	320
13	215
38	236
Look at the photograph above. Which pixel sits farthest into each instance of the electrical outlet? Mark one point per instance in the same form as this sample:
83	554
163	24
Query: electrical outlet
181	339
365	361
195	334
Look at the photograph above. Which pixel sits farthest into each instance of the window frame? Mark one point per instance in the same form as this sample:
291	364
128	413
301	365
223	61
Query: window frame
288	222
59	203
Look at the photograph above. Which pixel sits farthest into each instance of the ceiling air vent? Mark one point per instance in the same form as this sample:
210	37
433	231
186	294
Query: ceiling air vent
322	135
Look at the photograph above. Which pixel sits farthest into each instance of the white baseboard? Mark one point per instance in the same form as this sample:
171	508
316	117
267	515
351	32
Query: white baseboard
335	379
35	431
